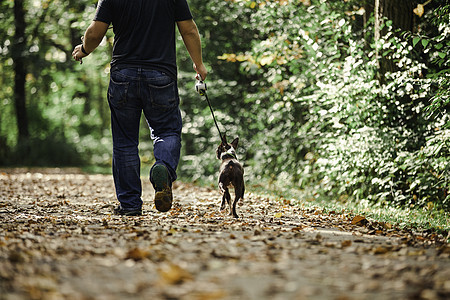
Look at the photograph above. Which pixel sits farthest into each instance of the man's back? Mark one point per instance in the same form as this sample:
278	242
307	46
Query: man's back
144	31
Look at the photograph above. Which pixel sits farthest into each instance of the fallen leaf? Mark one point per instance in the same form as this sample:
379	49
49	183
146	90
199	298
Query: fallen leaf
174	274
346	243
445	249
210	295
416	253
298	228
380	250
359	220
136	254
386	225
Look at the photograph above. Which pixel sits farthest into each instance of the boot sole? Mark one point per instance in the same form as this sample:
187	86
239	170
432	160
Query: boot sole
163	193
163	200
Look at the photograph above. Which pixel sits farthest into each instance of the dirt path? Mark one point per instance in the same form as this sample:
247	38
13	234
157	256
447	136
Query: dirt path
59	240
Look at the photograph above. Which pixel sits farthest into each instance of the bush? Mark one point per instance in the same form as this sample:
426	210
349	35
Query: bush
321	117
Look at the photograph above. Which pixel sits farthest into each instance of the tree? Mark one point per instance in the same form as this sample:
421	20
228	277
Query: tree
400	14
18	55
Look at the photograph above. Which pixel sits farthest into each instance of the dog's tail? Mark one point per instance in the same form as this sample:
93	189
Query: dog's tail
230	165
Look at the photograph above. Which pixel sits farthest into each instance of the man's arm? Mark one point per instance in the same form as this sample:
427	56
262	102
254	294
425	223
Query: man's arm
191	39
92	38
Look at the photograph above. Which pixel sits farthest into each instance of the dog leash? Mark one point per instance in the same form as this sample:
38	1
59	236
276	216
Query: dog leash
201	88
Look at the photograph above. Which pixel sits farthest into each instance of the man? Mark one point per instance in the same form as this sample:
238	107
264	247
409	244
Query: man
144	78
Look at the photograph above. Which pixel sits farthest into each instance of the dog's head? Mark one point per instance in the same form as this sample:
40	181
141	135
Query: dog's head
227	150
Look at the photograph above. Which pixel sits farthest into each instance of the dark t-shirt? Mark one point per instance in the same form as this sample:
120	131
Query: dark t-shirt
144	31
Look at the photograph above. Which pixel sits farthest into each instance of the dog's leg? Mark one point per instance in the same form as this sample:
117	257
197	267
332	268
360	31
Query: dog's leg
241	195
222	190
222	206
228	198
233	208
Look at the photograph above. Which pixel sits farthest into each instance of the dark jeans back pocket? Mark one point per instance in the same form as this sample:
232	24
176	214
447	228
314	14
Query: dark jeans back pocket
117	93
164	97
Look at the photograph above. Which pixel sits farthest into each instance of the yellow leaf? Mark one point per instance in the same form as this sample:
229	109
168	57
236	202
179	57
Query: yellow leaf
306	2
242	57
419	10
231	57
174	274
278	215
281	60
267	60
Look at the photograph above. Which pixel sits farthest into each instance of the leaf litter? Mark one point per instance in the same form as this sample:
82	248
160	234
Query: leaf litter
60	240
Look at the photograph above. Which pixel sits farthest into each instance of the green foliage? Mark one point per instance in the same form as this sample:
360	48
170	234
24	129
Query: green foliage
66	106
297	80
325	119
217	21
438	47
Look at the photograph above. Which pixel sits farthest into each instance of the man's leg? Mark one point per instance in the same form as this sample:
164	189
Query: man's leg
161	108
167	152
125	116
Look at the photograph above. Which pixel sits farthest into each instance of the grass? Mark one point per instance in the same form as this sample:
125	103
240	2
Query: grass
433	219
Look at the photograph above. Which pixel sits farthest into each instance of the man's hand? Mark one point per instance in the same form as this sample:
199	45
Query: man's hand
201	70
77	54
91	39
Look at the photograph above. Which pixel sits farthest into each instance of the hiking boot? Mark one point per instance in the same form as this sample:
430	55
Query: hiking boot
119	210
163	191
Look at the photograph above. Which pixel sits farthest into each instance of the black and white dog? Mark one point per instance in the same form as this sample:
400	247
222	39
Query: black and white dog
231	174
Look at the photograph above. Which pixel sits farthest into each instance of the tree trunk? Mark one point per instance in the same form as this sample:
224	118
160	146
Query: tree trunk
18	55
400	12
75	39
377	30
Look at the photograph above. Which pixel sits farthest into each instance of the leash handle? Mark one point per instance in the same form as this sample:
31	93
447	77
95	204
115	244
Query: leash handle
200	88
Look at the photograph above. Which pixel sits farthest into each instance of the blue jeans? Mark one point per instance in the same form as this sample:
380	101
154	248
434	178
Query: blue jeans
131	91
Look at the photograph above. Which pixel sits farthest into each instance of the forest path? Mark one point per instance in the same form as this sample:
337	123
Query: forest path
59	240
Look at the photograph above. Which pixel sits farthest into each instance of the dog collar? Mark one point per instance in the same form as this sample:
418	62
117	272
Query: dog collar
228	155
